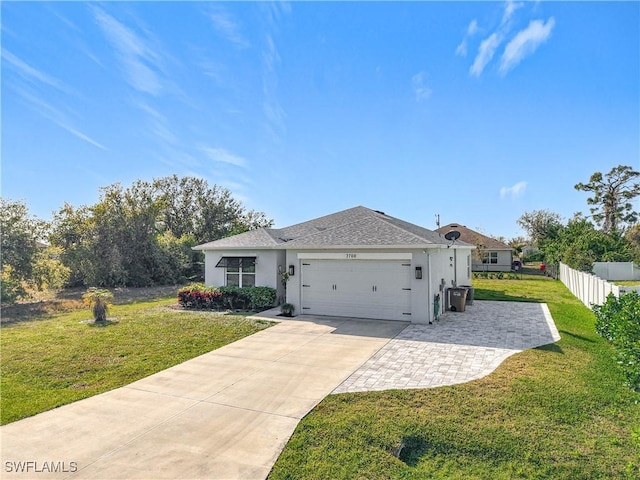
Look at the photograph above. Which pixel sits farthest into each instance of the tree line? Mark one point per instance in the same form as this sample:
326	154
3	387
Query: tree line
135	237
143	235
610	234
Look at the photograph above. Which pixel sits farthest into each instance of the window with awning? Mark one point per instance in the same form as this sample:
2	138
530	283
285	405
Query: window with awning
240	271
237	262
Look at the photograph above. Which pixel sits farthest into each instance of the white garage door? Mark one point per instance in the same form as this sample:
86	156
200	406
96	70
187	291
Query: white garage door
357	288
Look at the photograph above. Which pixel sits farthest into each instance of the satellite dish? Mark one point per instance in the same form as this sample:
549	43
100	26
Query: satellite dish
452	235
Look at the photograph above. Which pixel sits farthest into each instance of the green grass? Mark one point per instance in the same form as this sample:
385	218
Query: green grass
53	360
627	283
560	411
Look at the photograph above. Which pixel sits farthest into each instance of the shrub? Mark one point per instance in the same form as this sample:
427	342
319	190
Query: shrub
618	320
248	298
287	309
200	296
11	287
261	297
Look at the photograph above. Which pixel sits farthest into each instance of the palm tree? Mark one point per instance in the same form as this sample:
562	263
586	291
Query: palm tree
98	299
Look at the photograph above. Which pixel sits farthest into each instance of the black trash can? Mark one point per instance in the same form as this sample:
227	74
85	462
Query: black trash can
470	291
457	298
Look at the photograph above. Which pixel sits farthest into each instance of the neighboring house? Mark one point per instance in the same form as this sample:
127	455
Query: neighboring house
357	263
491	255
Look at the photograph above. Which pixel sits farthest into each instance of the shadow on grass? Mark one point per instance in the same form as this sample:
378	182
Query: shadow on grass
551	347
579	337
496	295
411	449
102	324
28	312
415	448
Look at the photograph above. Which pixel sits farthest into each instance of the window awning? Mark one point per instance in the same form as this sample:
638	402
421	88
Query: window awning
236	262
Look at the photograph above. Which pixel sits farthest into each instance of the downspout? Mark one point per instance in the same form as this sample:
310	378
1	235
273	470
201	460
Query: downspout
431	300
455	267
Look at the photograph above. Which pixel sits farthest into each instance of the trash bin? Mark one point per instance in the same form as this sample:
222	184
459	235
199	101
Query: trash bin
458	298
470	291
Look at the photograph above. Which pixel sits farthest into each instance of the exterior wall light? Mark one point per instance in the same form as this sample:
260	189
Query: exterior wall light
292	270
418	273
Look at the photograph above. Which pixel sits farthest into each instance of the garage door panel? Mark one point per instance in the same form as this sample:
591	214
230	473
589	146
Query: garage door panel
367	289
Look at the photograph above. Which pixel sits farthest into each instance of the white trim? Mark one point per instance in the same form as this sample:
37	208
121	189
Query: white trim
355	255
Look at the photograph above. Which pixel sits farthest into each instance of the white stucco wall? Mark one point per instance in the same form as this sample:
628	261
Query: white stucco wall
441	268
267	262
505	258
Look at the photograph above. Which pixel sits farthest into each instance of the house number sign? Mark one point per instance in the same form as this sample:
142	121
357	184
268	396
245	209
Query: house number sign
350	256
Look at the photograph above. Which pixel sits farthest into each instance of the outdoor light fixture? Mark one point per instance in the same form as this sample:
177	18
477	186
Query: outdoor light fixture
418	273
292	270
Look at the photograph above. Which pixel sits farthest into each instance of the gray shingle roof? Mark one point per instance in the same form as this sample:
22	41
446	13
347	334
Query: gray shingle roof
474	238
358	226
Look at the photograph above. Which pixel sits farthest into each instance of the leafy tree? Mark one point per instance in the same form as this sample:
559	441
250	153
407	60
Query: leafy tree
73	231
21	237
632	236
541	226
579	244
48	270
612	196
518	244
191	207
480	251
142	235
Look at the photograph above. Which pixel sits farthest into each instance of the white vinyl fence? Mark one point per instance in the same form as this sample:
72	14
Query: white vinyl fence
616	270
590	289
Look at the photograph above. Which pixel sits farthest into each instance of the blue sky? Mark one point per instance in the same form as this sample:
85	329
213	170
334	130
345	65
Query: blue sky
476	111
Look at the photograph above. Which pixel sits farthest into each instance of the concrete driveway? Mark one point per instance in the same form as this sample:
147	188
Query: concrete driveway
224	415
228	414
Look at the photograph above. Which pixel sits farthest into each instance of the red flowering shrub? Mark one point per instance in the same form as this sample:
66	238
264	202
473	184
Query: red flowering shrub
199	296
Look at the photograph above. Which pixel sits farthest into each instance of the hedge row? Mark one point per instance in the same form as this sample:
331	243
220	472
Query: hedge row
618	320
199	296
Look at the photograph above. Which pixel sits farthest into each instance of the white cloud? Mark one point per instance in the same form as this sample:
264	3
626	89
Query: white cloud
55	115
139	61
226	26
273	111
525	43
485	53
220	155
489	45
81	135
515	191
422	91
510	8
472	29
462	48
30	73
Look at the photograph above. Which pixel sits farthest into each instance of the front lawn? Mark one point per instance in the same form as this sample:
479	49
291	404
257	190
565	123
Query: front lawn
57	359
560	411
